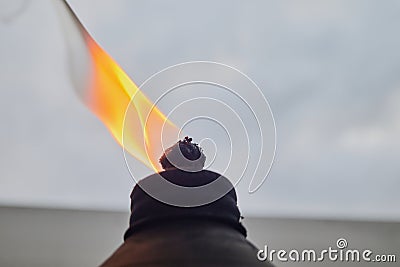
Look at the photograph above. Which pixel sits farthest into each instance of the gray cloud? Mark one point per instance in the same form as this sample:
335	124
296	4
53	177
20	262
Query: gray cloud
329	69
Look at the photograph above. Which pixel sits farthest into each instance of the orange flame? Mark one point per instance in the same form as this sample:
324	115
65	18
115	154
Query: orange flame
108	92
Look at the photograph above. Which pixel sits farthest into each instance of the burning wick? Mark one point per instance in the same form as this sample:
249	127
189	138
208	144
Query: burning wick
183	155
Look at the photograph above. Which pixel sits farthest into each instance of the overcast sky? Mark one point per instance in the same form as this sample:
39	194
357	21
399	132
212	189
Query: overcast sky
329	69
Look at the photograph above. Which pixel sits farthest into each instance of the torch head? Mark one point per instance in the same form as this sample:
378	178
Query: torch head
183	155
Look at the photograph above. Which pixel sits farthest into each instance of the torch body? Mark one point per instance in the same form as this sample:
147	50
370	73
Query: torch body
165	235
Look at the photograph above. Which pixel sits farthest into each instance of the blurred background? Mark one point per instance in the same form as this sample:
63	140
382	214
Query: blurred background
329	69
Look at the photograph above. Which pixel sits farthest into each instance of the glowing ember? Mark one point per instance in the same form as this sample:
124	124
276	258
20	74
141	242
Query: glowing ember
108	91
